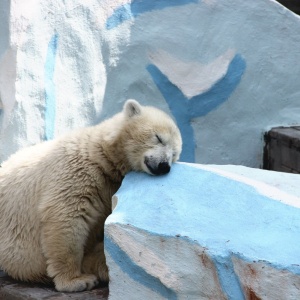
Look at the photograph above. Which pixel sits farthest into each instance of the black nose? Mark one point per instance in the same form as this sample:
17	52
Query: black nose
163	168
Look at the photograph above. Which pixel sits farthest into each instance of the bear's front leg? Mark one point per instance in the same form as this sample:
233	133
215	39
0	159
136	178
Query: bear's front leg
94	262
63	246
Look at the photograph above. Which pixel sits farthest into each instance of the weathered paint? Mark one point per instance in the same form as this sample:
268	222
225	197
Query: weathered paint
229	280
253	212
134	8
229	217
188	271
136	272
226	65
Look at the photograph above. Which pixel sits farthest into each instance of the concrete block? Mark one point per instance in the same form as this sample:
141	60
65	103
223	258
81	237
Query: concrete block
205	232
282	149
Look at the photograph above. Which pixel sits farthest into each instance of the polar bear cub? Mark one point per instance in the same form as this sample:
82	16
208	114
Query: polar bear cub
55	196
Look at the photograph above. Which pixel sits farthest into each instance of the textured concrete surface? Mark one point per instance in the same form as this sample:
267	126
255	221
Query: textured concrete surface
14	290
205	232
225	70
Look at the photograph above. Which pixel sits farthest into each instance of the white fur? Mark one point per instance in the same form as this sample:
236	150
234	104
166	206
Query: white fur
55	196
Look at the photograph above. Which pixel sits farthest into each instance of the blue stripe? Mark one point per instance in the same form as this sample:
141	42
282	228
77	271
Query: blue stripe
184	109
179	108
121	14
137	7
229	281
202	104
136	272
50	105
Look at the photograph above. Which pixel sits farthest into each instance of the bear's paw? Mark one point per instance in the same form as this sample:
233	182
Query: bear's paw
78	284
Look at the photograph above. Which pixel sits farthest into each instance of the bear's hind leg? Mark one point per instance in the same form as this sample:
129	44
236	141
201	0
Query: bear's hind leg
95	262
63	247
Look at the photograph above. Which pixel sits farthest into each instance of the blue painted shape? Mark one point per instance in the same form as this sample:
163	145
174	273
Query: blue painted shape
136	272
184	109
228	218
50	105
178	105
136	7
120	15
220	92
228	279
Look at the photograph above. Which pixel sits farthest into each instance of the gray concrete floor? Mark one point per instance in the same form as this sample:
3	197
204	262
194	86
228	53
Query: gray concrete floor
15	290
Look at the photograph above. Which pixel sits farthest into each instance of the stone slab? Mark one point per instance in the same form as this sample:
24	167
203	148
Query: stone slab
205	232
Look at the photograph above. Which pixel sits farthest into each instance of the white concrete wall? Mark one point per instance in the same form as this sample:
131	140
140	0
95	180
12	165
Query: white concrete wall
226	70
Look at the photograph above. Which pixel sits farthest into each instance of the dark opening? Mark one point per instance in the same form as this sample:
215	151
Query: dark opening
293	5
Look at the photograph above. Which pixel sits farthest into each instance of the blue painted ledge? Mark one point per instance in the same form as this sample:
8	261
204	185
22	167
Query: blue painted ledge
233	222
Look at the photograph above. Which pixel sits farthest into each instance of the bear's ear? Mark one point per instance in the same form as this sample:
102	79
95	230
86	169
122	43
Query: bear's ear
132	108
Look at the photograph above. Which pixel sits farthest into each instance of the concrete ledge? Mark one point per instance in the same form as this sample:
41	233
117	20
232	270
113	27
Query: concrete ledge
205	232
14	290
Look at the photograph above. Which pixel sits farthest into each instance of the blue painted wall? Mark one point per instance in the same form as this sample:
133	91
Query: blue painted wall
106	57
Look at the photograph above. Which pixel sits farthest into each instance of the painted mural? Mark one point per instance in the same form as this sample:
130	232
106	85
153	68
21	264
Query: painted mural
191	89
185	108
215	66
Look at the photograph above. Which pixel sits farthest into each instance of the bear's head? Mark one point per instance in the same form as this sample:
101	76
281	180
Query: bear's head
153	141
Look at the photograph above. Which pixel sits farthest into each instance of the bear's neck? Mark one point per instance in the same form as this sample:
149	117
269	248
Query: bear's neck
109	156
114	153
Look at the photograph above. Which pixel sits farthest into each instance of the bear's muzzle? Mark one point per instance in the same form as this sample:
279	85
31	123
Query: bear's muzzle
158	169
